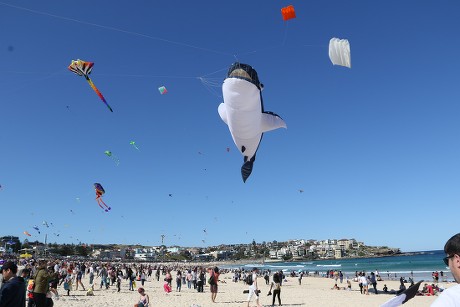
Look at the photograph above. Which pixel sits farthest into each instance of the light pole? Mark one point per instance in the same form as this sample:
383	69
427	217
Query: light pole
162	248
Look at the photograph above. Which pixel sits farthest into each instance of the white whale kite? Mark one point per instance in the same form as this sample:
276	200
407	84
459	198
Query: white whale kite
243	112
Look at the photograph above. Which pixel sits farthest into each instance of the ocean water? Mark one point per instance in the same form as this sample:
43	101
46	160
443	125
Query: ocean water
421	265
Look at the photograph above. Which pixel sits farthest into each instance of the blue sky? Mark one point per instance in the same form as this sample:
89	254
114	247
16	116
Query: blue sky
375	148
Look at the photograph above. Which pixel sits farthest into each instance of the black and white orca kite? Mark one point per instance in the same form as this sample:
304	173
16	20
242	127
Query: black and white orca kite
243	112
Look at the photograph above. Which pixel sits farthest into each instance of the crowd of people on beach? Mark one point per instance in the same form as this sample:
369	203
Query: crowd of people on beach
35	283
42	279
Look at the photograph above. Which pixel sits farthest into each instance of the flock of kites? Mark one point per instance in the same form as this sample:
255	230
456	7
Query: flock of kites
339	54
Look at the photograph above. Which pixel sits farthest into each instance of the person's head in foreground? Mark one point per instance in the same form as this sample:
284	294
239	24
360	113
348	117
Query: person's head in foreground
9	270
451	296
452	260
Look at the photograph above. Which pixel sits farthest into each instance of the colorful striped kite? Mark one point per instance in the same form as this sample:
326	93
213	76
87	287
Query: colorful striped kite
99	192
83	68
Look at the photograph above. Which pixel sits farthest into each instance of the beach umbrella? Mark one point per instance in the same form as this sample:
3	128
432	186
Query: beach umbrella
403	297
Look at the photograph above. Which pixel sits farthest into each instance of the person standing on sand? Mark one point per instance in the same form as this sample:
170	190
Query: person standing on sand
213	279
253	289
360	283
188	277
178	280
267	278
168	278
157	274
194	277
41	280
130	276
373	281
103	274
276	286
79	277
142	275
363	282
119	277
451	296
200	281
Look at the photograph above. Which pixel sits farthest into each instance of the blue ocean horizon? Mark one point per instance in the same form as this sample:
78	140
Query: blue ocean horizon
421	264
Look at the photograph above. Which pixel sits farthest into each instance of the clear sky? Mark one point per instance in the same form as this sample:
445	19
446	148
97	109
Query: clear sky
374	148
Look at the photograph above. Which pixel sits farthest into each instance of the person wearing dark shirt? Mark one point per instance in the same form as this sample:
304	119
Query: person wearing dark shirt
13	291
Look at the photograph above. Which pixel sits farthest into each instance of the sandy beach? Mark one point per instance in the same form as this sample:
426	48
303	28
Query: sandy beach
314	291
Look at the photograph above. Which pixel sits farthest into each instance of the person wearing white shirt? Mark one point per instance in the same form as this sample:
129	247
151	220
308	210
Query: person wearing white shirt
451	296
253	289
363	281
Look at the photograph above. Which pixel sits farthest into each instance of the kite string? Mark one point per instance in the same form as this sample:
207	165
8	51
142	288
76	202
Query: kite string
114	29
285	33
145	35
27	83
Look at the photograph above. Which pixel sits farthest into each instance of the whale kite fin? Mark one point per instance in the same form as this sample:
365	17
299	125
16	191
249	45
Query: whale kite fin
223	112
271	121
246	169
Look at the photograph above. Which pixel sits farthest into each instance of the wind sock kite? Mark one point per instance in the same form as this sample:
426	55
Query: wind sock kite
243	112
99	192
83	68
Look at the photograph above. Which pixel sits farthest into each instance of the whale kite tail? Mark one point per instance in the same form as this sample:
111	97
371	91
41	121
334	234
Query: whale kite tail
246	169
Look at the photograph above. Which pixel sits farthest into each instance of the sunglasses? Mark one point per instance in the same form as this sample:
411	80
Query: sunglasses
446	259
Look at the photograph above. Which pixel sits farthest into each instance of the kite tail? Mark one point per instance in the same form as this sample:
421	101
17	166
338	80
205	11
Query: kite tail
98	93
100	202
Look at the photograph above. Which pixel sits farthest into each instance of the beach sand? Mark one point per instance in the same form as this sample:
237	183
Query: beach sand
314	291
